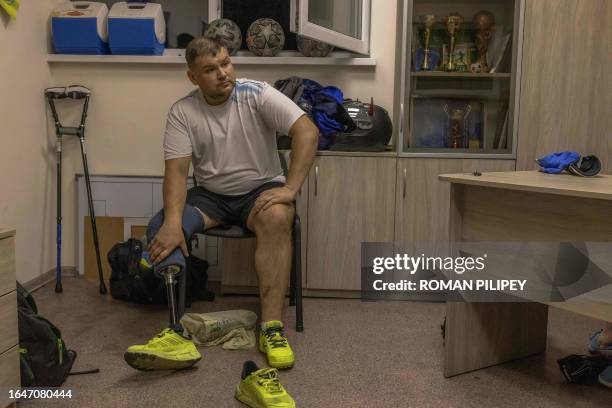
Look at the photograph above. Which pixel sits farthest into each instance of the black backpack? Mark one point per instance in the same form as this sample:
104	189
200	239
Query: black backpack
44	358
134	282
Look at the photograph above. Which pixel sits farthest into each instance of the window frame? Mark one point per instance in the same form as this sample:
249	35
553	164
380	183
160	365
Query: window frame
299	24
214	10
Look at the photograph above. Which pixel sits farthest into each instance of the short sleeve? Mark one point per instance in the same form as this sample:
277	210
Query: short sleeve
176	137
278	111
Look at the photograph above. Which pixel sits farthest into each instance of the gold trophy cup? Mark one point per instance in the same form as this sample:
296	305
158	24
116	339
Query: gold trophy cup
483	22
457	125
428	20
453	24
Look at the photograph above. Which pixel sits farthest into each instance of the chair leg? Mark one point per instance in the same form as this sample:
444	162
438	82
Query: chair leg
297	267
292	276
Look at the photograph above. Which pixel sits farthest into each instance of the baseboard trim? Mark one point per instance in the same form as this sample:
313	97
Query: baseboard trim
318	293
49	276
332	293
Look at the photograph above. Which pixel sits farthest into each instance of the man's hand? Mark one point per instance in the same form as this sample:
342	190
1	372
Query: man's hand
279	195
167	239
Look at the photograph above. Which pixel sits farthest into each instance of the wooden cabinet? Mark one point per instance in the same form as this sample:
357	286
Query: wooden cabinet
422	201
566	99
9	335
350	200
237	263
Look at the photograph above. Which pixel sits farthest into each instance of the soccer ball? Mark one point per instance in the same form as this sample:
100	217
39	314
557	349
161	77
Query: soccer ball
226	32
313	48
265	37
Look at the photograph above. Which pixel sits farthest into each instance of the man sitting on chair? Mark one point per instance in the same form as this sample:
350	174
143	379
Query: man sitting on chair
227	129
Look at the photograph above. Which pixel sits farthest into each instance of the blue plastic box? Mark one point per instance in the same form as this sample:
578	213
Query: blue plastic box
79	27
136	29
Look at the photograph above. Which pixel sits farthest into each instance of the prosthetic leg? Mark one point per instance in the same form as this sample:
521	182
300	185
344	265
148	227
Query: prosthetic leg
169	350
173	267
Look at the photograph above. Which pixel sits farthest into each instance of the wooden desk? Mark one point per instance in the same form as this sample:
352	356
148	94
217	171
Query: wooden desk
519	206
9	336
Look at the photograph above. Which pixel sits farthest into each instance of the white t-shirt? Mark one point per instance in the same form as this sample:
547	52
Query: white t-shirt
233	145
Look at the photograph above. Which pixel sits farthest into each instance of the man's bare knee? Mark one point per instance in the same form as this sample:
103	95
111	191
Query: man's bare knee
277	218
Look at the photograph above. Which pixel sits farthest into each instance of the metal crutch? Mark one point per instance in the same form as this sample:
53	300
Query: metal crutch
75	92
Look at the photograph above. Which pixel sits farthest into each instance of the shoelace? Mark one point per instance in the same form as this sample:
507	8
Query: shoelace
159	335
268	379
276	337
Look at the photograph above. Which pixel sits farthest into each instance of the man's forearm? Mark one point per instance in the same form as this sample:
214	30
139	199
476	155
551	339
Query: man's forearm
303	151
175	194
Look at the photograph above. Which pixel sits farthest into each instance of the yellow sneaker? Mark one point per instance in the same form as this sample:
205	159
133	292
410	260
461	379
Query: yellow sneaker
273	342
166	351
260	388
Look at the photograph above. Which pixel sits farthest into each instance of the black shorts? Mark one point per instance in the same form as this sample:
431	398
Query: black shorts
228	210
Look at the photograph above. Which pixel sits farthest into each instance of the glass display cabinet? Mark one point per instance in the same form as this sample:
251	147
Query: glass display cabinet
460	76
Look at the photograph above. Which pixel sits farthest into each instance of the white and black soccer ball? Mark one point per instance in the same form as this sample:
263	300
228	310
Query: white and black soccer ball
226	32
313	48
265	37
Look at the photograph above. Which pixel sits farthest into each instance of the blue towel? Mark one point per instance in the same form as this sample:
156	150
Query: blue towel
555	163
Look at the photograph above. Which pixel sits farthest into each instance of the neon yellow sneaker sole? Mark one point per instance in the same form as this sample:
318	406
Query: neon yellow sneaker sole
166	351
158	361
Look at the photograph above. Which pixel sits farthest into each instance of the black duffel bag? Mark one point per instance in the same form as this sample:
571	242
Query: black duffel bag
135	281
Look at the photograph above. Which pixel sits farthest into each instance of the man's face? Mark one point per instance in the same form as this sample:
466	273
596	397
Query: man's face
214	75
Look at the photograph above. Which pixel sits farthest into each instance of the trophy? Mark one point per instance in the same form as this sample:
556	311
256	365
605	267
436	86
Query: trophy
428	20
453	23
457	122
483	22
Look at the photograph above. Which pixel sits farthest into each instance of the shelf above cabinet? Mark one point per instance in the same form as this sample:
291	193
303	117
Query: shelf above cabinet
459	74
177	57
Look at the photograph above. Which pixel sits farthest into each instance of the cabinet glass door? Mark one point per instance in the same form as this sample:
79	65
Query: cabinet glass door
461	82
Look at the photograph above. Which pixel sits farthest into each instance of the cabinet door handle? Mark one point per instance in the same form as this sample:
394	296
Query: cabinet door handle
404	184
316	179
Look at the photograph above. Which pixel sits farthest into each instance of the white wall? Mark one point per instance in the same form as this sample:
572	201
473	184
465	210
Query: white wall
129	104
27	178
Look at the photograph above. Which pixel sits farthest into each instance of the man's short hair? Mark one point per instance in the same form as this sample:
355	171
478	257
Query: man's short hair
201	46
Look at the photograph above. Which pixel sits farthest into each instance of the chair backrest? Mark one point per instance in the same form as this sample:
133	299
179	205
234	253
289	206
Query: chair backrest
283	162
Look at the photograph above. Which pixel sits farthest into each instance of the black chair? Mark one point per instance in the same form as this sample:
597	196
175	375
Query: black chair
238	232
295	285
